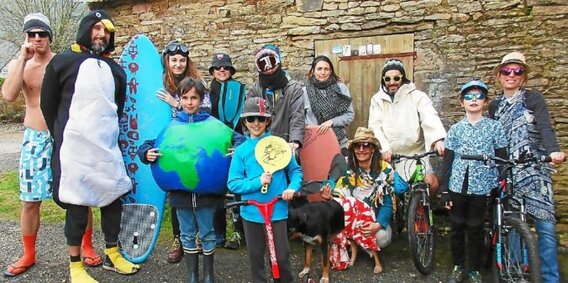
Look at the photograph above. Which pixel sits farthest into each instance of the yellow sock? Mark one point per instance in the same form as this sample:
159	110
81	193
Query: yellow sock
79	274
120	263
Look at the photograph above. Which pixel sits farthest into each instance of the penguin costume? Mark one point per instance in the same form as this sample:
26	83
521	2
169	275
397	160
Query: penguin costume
82	99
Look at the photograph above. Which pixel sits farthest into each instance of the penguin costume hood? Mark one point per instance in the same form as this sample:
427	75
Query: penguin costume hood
85	30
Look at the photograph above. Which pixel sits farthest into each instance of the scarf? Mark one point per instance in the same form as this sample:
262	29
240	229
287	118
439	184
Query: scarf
274	81
327	102
533	184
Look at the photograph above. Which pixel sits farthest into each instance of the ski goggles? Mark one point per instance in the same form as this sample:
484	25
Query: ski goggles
177	48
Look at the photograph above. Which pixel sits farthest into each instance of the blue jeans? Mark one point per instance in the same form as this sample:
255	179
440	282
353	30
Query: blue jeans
547	244
197	220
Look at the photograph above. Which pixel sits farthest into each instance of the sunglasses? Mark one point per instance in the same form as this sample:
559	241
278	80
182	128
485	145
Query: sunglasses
362	145
395	78
472	95
42	34
251	119
507	71
218	68
177	48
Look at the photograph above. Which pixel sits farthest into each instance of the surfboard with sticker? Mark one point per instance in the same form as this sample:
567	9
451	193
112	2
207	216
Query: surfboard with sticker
145	115
317	153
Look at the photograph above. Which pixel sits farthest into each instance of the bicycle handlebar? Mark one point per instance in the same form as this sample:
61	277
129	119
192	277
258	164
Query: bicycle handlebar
485	158
250	201
397	156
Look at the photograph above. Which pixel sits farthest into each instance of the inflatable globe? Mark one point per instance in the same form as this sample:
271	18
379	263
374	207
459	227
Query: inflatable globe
193	157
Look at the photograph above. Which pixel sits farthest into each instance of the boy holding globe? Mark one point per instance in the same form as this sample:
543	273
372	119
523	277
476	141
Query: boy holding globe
246	177
194	210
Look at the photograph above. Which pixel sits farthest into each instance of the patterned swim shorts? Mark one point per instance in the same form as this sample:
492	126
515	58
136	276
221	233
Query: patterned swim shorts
35	166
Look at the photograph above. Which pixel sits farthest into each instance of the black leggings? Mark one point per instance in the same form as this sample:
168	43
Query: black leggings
76	222
467	216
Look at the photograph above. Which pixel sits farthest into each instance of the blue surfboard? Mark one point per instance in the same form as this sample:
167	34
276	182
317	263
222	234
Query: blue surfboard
144	117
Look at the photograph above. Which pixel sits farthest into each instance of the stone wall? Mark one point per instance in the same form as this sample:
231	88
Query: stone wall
455	40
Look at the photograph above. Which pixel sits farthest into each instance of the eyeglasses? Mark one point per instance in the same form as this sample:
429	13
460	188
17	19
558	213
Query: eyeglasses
507	71
472	95
42	34
395	78
177	48
362	145
251	119
218	68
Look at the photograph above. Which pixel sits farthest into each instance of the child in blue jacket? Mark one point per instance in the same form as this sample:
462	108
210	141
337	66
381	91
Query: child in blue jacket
246	177
194	211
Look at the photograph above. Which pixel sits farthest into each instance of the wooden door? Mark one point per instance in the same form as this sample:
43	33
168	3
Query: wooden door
362	73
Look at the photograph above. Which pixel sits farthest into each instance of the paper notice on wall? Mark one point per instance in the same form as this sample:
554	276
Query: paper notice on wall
376	49
362	50
346	50
337	49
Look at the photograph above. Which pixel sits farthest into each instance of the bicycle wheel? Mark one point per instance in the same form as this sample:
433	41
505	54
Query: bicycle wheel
516	253
420	234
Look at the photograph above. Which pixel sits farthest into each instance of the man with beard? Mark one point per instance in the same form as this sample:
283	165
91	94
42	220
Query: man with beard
26	72
82	97
404	120
284	95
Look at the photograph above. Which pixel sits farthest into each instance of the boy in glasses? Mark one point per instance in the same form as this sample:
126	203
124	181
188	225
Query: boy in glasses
404	120
26	72
466	184
246	177
526	121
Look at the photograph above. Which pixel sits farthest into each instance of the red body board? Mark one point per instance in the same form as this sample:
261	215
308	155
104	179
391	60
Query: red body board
317	153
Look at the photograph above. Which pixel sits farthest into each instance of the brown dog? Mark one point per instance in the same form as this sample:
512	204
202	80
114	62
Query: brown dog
316	222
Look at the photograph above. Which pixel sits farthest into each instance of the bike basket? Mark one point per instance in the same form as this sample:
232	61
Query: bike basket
400	185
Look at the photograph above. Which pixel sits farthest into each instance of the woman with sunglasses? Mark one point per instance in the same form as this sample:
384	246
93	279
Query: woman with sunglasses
405	121
526	121
177	66
365	194
327	101
227	98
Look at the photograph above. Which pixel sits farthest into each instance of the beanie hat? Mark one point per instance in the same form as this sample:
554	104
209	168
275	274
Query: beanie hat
474	84
267	57
256	106
394	64
87	23
38	21
221	59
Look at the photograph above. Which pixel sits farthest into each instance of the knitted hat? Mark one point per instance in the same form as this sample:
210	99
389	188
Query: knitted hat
474	84
364	135
221	59
513	57
267	57
394	64
38	21
256	106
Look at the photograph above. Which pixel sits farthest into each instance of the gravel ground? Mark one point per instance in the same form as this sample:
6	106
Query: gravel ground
230	266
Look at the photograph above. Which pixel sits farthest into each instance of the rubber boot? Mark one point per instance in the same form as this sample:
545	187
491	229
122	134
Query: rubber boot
208	273
192	263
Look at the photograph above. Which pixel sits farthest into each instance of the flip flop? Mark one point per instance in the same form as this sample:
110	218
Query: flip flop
92	261
16	270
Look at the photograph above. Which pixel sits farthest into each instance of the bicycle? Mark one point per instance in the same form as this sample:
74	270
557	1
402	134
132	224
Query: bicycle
419	219
514	250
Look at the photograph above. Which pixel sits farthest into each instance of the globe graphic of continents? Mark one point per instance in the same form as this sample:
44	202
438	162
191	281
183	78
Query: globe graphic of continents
193	157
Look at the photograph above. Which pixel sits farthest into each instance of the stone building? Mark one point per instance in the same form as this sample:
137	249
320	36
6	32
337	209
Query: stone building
443	42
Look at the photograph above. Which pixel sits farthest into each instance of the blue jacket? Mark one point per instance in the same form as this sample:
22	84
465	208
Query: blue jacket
244	179
182	199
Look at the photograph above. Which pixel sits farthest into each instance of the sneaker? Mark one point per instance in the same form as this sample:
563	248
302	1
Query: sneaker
475	277
176	251
234	241
458	275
